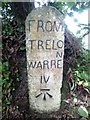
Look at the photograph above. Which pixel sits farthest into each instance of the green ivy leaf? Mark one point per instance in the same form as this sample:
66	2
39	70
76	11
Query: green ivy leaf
70	4
84	75
83	111
22	48
86	84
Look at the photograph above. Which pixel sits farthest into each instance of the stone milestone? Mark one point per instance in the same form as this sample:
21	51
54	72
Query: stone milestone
45	51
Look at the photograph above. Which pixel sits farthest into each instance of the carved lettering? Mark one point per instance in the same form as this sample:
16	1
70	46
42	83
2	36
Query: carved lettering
43	79
46	44
47	26
46	64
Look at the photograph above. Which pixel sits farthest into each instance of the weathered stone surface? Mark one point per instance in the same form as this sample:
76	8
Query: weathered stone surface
45	50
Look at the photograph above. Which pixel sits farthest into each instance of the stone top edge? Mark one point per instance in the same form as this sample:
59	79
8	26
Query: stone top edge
53	9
